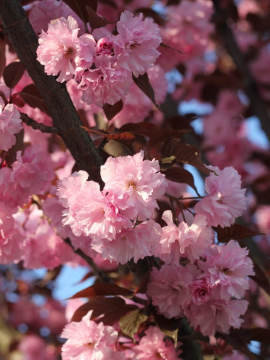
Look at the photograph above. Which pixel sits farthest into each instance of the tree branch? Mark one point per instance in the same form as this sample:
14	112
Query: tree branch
257	104
37	126
65	118
97	272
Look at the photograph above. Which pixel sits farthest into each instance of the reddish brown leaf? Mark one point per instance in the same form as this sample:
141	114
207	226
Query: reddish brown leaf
143	128
236	232
142	81
112	110
148	12
173	2
247	335
13	73
124	136
106	309
261	278
26	2
102	289
181	175
19	145
181	121
80	7
185	154
82	311
95	20
32	97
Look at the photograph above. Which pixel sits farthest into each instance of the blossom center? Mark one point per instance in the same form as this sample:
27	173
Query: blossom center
133	45
105	47
226	271
132	184
69	52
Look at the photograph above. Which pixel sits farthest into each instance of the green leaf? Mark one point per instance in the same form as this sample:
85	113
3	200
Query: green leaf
181	175
115	148
142	81
173	334
130	323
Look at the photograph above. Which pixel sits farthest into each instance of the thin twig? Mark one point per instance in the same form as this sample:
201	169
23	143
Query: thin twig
97	272
190	198
37	126
257	103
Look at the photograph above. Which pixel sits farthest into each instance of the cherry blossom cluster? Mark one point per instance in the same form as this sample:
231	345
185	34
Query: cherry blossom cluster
101	63
87	339
116	219
119	223
10	125
135	215
208	291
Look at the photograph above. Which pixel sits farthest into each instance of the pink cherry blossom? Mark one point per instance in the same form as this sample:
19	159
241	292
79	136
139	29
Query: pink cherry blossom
60	49
86	339
88	212
43	248
106	84
188	28
229	267
200	290
52	316
131	112
24	311
135	243
216	315
235	356
4	93
184	240
105	49
32	172
225	200
32	347
49	314
11	250
72	306
10	125
137	42
169	289
86	51
153	346
136	183
224	119
234	152
263	219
